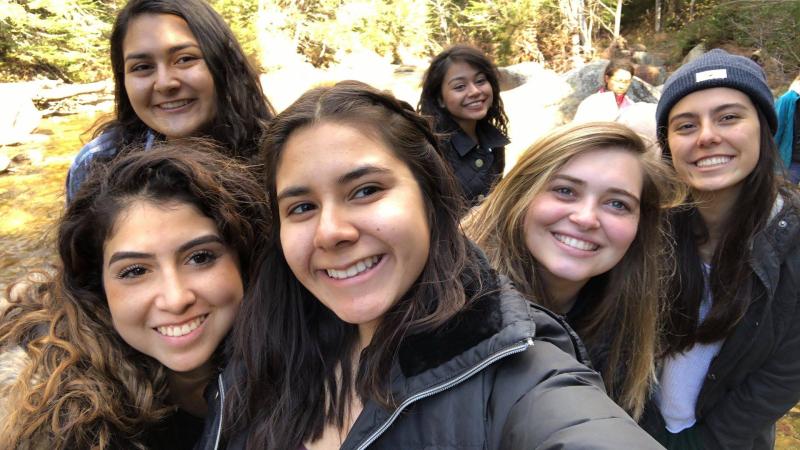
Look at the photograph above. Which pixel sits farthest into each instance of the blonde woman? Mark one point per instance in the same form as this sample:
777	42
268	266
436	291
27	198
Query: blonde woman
577	225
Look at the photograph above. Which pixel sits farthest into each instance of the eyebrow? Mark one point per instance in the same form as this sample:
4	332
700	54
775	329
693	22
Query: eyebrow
355	174
713	111
462	78
209	238
450	81
171	50
583	183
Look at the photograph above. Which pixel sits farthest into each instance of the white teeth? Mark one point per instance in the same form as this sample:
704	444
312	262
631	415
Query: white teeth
175	104
576	243
353	270
713	161
182	330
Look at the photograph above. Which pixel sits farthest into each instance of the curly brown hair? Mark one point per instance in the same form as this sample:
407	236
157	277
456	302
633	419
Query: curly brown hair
84	386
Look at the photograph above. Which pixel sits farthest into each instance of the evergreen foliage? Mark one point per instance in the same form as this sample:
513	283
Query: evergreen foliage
769	25
68	39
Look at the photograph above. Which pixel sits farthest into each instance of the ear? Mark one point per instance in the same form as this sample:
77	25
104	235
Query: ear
440	102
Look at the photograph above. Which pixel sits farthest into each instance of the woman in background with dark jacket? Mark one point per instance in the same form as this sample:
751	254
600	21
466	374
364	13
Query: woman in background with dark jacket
373	322
461	93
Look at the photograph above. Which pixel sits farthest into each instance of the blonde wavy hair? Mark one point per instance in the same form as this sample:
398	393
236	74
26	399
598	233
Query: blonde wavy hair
83	386
628	309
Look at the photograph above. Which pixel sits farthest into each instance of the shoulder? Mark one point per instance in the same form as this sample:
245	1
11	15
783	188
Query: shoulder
548	326
103	145
789	96
598	106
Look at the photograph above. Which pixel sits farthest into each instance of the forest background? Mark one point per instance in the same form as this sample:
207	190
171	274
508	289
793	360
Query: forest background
67	39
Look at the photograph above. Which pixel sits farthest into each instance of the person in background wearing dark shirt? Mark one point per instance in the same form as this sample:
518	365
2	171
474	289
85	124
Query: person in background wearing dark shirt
461	92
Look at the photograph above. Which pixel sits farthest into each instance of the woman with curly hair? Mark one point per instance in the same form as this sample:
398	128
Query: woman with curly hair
120	345
578	225
178	71
461	93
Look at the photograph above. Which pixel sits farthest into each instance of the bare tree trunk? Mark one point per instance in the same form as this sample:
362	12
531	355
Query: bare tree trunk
618	18
657	19
575	12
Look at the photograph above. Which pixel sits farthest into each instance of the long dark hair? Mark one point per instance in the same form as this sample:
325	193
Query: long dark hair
292	353
731	274
242	109
430	98
85	386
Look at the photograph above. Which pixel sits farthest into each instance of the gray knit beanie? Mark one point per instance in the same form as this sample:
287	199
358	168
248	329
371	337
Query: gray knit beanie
716	68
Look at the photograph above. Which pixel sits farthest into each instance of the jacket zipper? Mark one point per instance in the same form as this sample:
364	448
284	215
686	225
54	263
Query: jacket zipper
221	410
518	348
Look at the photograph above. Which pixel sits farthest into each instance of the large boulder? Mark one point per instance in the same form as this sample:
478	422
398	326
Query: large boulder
533	107
18	116
518	74
694	53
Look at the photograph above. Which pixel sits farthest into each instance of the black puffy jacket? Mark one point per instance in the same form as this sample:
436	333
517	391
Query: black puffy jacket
503	376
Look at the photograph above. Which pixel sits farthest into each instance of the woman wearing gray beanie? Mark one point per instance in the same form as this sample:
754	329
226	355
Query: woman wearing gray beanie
731	357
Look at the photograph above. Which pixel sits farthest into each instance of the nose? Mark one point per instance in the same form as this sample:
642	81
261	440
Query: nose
472	90
166	79
708	136
176	295
585	215
334	229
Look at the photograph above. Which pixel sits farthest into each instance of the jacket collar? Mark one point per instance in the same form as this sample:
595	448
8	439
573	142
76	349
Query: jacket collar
496	317
772	245
489	136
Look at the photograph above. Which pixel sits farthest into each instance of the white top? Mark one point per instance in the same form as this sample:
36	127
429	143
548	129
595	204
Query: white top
600	106
683	374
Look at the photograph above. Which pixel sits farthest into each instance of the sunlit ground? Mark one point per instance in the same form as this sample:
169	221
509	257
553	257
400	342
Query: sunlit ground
32	195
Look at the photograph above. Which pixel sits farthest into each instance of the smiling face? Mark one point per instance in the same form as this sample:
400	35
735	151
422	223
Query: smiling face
466	94
166	78
353	224
714	138
585	220
173	287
